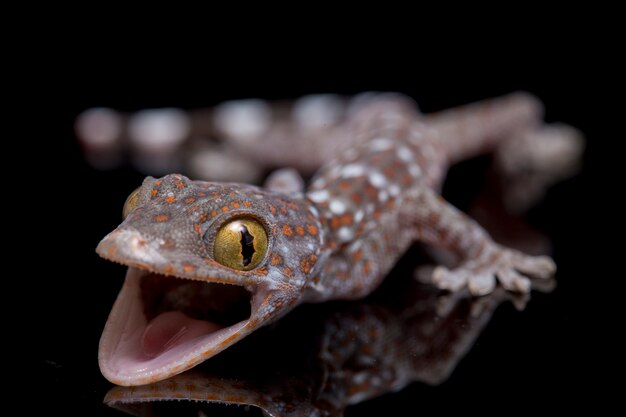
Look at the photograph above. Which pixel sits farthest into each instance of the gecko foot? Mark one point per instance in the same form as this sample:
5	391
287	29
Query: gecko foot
510	267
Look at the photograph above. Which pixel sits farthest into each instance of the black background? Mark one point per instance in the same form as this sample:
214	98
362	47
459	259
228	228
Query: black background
542	357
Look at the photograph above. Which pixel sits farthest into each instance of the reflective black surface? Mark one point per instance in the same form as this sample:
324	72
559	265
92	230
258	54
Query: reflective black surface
522	358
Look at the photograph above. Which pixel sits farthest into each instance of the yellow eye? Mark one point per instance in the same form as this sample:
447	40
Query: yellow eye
131	203
240	244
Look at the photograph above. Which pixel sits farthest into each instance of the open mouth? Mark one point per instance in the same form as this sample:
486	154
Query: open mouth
162	325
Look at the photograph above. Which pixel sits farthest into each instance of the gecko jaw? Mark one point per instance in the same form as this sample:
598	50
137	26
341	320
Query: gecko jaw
161	325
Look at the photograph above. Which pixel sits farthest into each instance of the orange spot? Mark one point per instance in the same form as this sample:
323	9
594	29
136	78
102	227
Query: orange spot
158	182
247	204
180	184
201	194
346	219
234	204
356	198
112	250
313	258
170	199
300	230
160	218
287	230
189	268
153	192
306	267
169	269
288	272
272	209
197	228
225	209
312	229
262	271
335	223
189	200
357	255
202	217
213	213
371	192
283	210
344	185
367	267
276	259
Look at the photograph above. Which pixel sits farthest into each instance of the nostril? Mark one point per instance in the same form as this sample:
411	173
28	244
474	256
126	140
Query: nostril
137	242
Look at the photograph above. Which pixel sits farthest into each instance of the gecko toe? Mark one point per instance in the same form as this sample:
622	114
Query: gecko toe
452	280
481	283
536	266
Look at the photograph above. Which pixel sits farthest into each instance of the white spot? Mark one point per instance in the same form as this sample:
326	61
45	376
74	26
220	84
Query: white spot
310	246
313	211
337	206
158	130
243	119
381	144
352	170
319	182
317	110
382	196
334	171
359	378
377	179
405	154
99	127
415	170
394	190
370	208
345	234
358	216
319	195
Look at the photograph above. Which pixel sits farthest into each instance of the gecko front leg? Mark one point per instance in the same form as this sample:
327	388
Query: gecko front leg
437	222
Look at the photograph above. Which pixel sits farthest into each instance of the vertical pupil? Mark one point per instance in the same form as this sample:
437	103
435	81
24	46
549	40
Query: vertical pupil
247	245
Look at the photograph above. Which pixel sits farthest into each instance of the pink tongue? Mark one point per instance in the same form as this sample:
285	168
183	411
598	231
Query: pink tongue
173	328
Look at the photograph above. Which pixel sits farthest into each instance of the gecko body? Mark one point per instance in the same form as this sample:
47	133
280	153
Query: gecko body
211	262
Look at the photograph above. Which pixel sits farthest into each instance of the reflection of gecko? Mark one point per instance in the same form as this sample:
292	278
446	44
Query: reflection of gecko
280	247
344	355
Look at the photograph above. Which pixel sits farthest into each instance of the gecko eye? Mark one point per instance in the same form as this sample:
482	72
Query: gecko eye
240	244
131	203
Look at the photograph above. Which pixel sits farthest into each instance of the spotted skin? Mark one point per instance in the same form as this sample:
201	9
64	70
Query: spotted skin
337	240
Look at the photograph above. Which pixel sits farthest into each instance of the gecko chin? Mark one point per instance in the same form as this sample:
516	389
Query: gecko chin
163	325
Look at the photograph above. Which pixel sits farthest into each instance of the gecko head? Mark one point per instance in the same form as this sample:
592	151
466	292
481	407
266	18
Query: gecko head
208	264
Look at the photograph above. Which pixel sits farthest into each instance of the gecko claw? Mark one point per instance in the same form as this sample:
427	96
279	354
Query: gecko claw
507	265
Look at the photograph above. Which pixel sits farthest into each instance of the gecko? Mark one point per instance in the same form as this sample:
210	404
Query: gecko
211	262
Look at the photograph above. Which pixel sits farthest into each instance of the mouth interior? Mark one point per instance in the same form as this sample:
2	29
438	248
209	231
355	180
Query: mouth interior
179	311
